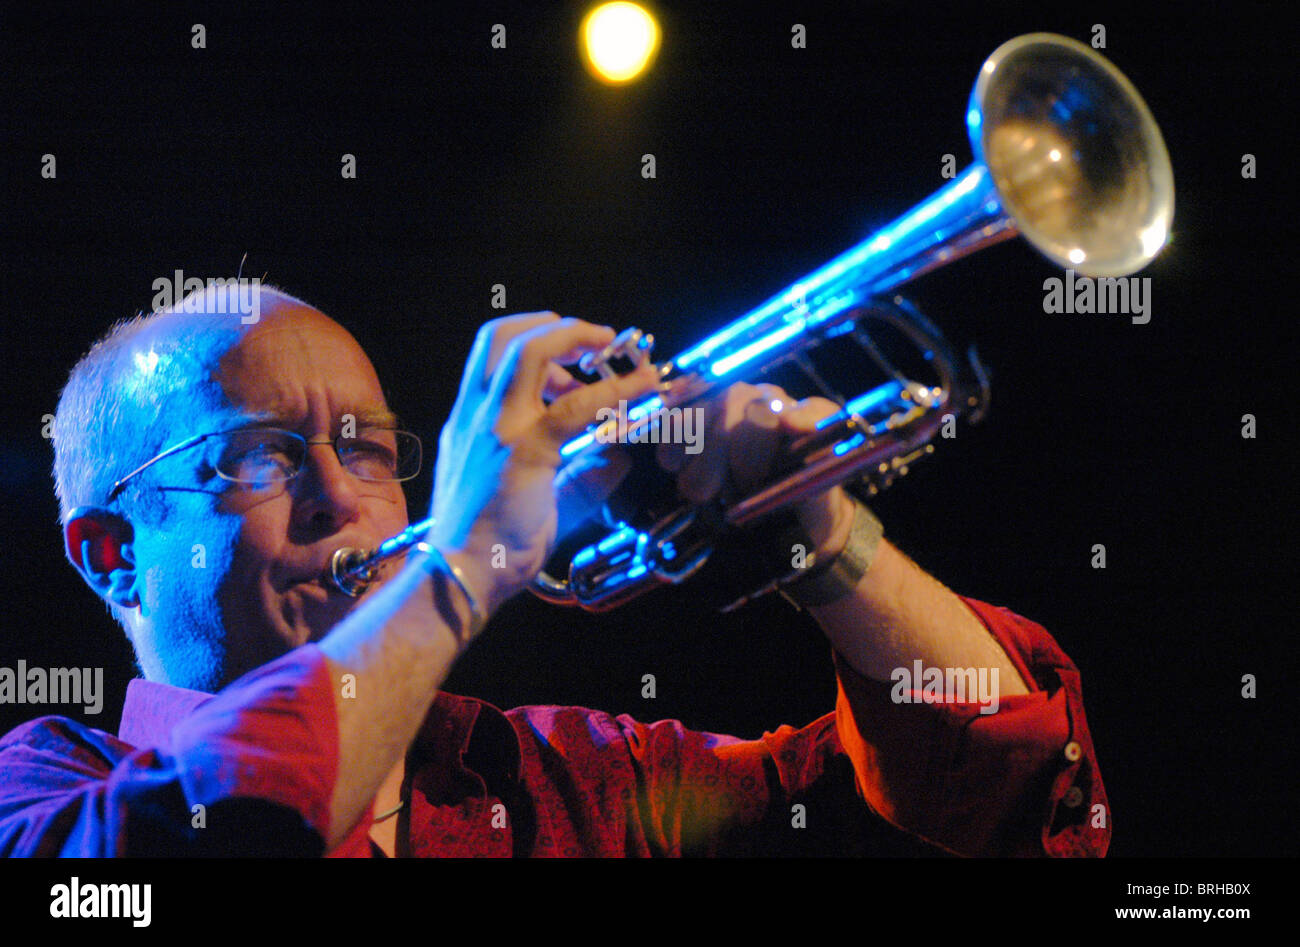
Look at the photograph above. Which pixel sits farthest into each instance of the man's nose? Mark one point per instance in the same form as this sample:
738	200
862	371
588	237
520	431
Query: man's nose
326	494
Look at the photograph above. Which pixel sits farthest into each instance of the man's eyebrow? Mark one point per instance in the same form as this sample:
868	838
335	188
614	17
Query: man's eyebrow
235	420
376	417
365	417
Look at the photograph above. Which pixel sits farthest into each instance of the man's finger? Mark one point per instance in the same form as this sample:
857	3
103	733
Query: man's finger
583	486
558	382
492	339
753	444
802	416
705	474
524	368
570	414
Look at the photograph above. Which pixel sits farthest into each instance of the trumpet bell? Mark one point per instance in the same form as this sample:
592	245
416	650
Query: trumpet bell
1074	154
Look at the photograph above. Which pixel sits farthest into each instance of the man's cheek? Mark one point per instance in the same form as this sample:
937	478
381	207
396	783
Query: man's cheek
207	558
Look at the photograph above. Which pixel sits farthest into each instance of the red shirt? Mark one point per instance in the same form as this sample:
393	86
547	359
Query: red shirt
251	771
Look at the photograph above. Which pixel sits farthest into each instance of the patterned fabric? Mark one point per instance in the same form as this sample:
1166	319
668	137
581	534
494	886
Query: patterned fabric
250	771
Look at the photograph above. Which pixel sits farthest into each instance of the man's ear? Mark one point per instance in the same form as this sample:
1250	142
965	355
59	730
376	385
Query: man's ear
98	543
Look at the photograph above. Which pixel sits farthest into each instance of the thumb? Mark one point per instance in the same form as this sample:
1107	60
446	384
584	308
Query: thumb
584	485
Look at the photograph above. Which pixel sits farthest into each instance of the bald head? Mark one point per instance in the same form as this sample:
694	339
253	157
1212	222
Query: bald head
287	331
135	388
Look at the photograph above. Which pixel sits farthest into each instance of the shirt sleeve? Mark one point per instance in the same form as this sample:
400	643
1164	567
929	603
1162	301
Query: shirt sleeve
1020	781
250	772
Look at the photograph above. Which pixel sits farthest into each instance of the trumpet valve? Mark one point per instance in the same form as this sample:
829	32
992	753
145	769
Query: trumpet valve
631	344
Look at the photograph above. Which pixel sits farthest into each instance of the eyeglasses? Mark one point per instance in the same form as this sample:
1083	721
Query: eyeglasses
262	457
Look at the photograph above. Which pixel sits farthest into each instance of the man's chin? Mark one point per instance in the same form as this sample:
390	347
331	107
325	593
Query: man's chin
310	610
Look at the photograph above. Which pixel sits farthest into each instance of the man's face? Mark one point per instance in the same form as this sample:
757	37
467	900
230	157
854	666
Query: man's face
258	589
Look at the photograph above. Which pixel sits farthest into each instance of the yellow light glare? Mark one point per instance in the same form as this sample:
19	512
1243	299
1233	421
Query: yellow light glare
619	40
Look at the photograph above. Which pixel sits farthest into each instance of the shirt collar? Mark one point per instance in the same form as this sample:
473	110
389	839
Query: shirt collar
152	709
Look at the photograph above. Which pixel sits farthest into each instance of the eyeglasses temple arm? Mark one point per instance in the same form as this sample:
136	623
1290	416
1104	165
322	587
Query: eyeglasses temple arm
175	448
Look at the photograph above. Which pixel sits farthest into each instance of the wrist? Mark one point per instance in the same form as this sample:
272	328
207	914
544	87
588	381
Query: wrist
830	526
464	599
482	561
837	576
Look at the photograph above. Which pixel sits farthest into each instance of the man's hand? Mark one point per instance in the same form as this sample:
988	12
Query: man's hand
494	494
746	430
897	613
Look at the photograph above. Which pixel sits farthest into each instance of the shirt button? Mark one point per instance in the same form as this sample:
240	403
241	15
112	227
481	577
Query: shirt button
1073	751
1073	797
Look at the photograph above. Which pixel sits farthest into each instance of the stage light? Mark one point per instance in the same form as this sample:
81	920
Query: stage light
618	41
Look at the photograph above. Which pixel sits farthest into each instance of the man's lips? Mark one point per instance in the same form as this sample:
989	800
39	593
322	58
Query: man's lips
321	574
321	577
316	582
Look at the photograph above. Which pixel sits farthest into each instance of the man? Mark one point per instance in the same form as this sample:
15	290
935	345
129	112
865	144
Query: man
207	470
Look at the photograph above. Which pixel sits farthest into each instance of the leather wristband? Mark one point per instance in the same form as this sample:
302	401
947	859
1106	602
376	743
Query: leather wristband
839	580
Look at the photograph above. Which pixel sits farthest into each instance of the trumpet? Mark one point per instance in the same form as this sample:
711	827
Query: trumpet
1067	155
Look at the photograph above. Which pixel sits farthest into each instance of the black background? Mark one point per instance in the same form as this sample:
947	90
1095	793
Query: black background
479	166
